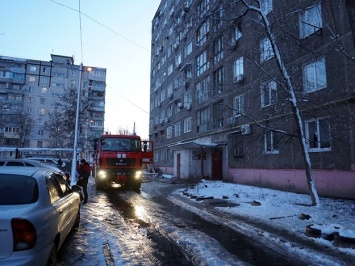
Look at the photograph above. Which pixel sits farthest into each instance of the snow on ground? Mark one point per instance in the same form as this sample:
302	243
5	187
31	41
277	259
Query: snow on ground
280	209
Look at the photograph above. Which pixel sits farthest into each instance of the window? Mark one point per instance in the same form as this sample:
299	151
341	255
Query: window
169	132
44	90
203	7
40	122
33	68
44	79
202	63
203	118
218	50
314	76
271	142
266	51
188	49
202	33
30	100
40	132
236	33
187	99
32	79
41	111
177	129
238	105
170	69
218	110
187	124
218	18
218	81
266	6
311	21
42	100
268	93
202	90
318	134
238	70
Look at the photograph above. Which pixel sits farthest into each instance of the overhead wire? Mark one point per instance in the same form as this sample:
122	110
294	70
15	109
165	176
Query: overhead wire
106	27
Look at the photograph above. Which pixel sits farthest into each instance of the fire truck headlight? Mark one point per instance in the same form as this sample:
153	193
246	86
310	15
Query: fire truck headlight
138	175
102	174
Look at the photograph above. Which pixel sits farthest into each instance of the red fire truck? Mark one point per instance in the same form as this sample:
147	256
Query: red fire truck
119	159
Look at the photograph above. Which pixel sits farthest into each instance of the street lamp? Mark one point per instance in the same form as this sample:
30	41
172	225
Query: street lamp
73	166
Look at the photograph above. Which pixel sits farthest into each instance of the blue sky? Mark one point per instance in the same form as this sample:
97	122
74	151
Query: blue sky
116	34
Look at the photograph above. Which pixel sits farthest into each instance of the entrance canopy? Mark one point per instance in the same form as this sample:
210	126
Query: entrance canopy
192	145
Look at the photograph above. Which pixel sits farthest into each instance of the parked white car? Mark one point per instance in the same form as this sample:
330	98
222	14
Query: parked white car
47	160
38	210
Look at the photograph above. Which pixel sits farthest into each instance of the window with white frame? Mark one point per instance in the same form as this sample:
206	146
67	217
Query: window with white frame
31	78
237	34
170	69
170	90
187	124
40	132
218	18
169	132
238	105
268	93
41	111
266	51
188	49
187	99
33	68
314	76
311	21
178	60
266	6
203	118
40	122
162	96
271	142
169	111
203	7
218	117
177	129
202	33
202	63
218	80
44	90
218	50
202	89
318	134
238	69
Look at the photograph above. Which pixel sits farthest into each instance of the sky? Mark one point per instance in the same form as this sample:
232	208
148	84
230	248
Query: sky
113	34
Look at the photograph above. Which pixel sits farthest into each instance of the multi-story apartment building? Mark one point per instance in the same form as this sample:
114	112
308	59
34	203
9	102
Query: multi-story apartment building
234	83
31	90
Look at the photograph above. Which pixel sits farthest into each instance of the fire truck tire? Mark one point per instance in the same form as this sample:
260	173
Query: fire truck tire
136	186
100	185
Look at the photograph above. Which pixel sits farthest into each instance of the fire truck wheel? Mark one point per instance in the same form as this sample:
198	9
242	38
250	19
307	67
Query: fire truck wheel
136	186
99	185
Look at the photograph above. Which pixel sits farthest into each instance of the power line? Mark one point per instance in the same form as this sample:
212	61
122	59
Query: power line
106	27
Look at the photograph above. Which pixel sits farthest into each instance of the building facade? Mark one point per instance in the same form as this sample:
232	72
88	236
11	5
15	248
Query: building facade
234	83
30	90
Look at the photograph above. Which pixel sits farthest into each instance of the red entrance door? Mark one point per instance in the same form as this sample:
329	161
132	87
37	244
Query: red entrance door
217	164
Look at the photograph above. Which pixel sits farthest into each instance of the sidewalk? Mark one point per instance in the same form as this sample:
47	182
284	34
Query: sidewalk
323	234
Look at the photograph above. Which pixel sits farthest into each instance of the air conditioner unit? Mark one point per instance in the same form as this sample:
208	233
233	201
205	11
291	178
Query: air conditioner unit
179	105
239	78
245	129
188	107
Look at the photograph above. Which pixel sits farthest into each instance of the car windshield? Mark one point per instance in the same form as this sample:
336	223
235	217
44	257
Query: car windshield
17	189
120	144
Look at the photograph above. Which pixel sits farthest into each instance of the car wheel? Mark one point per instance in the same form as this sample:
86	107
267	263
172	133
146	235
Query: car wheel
77	221
52	260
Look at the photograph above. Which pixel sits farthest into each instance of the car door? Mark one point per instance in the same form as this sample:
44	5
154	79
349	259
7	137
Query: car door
63	202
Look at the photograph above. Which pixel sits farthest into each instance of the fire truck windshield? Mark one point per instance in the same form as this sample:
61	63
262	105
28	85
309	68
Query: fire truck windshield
120	144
